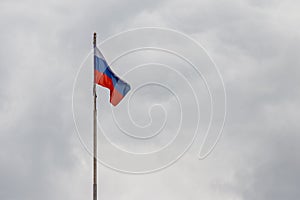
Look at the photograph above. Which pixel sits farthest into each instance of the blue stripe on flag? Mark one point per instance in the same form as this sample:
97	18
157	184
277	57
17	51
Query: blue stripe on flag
102	66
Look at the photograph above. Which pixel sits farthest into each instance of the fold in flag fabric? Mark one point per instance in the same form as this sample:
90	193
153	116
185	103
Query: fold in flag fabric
105	77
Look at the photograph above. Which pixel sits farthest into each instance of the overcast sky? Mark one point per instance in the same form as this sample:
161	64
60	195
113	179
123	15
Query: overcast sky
255	45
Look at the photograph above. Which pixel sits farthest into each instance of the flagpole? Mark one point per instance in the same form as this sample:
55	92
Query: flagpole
95	129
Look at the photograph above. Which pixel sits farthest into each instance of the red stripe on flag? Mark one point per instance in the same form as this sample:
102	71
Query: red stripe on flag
115	97
105	81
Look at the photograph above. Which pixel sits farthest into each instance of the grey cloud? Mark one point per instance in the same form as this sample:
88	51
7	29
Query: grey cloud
255	44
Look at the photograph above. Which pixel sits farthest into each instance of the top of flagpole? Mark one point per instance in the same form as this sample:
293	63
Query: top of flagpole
95	37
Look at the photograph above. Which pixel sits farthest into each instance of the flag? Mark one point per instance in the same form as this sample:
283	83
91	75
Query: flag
104	76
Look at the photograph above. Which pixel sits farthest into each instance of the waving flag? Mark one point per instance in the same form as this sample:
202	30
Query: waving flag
105	77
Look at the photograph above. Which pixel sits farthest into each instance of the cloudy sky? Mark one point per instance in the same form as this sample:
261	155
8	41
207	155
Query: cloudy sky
255	45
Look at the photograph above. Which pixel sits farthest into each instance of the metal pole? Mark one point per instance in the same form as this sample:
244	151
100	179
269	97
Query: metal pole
95	128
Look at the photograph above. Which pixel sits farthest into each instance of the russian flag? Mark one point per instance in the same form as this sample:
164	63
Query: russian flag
105	77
